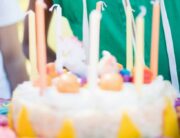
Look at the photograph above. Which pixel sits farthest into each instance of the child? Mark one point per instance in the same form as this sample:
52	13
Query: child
114	25
12	55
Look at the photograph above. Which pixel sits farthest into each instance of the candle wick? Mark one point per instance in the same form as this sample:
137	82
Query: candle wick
28	12
54	6
143	11
155	2
101	5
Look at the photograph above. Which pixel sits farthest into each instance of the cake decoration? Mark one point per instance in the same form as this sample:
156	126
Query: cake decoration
148	75
72	56
126	74
24	127
51	70
128	129
107	64
171	127
67	130
68	82
111	81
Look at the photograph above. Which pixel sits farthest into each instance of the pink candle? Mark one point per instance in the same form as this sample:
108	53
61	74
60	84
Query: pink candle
155	39
41	42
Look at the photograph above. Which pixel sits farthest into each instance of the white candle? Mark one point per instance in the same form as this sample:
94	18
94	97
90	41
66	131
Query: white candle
32	46
95	18
139	61
58	30
129	49
85	31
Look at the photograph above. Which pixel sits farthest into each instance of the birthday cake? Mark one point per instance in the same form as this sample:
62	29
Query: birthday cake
113	109
103	101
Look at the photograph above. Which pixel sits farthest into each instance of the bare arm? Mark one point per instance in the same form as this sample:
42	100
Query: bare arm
13	57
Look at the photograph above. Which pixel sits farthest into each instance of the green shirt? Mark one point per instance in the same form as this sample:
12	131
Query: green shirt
113	28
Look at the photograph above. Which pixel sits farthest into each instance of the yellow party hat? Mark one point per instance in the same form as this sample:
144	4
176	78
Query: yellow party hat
170	128
128	129
24	127
67	130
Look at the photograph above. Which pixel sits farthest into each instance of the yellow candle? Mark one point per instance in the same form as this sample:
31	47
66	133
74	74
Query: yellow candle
32	46
129	49
155	39
95	18
41	43
58	30
139	61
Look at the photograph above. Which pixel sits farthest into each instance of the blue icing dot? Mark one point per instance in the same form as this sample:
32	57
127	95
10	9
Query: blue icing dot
3	110
124	72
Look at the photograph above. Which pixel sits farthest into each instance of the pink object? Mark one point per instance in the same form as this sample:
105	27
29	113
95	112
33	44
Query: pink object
155	39
3	121
6	132
41	43
107	64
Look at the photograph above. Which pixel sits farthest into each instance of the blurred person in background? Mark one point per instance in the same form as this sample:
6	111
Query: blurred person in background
12	60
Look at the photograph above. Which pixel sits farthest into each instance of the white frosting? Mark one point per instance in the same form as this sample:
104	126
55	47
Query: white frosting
95	114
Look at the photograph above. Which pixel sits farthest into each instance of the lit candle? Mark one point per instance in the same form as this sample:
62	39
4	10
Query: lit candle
155	39
129	54
32	46
41	42
139	61
95	18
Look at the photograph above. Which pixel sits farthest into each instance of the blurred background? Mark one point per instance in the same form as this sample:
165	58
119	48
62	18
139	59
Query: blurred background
51	34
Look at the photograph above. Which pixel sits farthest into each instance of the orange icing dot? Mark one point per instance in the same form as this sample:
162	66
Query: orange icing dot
111	81
68	83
